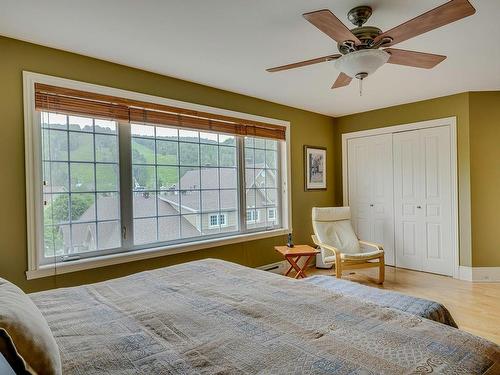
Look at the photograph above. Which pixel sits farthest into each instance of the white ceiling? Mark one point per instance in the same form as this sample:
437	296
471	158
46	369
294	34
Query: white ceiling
228	44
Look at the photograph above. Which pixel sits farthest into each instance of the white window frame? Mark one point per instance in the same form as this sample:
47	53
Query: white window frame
34	189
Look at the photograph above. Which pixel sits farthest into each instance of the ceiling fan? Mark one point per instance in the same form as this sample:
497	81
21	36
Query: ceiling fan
360	48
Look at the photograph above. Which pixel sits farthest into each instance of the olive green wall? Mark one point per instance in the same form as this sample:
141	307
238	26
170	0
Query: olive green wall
306	128
485	177
448	106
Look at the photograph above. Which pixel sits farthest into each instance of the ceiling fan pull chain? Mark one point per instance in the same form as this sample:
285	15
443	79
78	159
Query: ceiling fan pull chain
361	87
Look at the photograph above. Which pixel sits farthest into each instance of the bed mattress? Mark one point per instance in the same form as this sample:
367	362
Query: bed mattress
212	316
417	306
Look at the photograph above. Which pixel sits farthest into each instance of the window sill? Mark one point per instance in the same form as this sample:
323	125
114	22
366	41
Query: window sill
131	256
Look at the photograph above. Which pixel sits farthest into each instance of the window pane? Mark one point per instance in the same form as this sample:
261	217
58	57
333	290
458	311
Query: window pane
83	237
142	130
249	157
209	155
228	178
228	199
56	121
188	136
168	178
190	226
55	144
109	234
108	206
144	177
56	209
106	177
271	178
210	200
260	143
190	201
232	222
168	203
106	148
227	140
227	156
190	178
167	133
143	151
166	152
81	147
144	204
260	158
208	138
83	207
53	240
84	124
189	154
145	231
168	228
56	177
82	177
271	161
210	178
105	126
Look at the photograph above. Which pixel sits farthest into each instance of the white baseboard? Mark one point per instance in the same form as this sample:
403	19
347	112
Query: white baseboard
278	267
479	274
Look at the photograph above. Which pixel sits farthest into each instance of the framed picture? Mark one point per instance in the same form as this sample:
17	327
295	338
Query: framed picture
315	168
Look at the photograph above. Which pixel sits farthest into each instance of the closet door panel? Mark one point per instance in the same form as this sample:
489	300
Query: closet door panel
436	200
382	199
370	190
407	169
360	186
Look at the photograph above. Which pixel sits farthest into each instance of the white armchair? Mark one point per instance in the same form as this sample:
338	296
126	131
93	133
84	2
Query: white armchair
334	235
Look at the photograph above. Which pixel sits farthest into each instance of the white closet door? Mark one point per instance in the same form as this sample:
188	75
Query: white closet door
371	190
407	171
422	200
435	204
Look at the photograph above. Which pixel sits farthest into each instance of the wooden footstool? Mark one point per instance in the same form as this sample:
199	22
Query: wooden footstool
293	254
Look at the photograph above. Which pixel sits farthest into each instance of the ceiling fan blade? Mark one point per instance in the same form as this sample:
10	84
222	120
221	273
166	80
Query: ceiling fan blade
341	81
327	22
304	63
452	11
412	58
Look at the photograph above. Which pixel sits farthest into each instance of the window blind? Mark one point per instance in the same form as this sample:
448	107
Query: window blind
83	103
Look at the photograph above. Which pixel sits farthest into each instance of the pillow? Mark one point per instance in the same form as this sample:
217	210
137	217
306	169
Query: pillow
25	337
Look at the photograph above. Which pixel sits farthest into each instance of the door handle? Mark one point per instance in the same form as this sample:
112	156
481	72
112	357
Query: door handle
371	205
419	206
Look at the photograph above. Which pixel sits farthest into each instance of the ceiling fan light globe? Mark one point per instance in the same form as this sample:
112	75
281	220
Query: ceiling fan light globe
362	61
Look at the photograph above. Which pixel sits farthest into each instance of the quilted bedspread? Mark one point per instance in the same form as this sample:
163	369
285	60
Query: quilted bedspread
215	317
417	306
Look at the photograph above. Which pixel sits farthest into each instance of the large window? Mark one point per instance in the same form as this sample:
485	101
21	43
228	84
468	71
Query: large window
112	176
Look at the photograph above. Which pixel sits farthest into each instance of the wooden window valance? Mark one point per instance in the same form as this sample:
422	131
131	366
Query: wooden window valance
82	103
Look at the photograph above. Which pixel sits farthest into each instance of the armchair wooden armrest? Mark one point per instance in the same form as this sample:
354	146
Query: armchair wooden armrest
372	244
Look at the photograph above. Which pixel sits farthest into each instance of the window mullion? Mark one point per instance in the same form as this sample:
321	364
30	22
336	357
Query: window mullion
241	183
126	194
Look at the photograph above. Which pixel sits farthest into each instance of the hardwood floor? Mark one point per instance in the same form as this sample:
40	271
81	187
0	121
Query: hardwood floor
474	306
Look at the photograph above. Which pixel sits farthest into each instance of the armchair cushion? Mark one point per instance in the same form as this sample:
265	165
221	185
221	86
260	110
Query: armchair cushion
332	226
359	256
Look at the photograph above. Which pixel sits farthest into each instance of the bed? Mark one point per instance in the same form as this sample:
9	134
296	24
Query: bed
417	306
212	316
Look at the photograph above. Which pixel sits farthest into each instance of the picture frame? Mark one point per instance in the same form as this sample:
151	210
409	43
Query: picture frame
314	168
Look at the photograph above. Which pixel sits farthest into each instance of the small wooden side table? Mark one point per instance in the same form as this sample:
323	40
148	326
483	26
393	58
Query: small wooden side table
293	254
